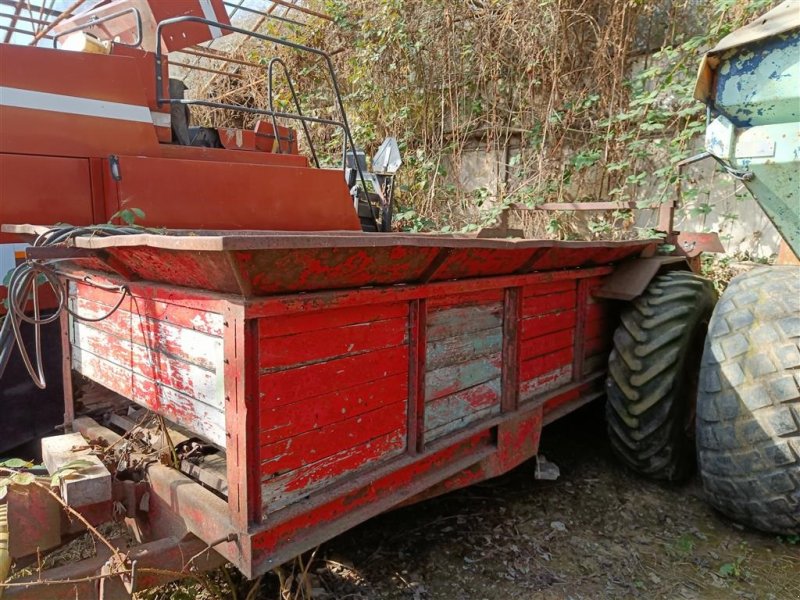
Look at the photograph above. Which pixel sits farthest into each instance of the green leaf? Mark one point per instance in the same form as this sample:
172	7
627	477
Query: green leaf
127	215
586	159
16	463
23	478
75	465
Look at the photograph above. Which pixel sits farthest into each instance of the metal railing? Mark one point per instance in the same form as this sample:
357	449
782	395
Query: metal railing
348	145
277	61
95	21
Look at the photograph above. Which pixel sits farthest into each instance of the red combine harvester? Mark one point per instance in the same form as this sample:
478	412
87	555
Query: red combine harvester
327	370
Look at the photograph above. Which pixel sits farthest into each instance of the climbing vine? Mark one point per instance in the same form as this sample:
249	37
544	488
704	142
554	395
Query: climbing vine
550	100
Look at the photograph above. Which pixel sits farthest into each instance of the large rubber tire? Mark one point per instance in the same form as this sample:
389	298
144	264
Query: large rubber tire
652	375
748	411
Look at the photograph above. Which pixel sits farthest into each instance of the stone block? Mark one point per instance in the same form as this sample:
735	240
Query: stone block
90	485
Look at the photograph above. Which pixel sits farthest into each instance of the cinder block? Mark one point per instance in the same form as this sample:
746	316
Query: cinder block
90	485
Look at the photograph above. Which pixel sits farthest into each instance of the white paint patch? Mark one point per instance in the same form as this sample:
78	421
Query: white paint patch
197	417
196	382
161	119
73	105
208	13
531	389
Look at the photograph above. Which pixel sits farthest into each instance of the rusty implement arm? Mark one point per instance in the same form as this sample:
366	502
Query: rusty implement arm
155	563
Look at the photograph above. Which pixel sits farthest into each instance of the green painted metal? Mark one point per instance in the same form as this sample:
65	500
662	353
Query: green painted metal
756	93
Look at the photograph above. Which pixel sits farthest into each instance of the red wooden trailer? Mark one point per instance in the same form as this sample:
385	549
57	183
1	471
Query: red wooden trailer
337	373
341	373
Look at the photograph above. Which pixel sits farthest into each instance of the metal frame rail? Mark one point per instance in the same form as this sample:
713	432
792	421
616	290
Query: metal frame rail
348	145
95	21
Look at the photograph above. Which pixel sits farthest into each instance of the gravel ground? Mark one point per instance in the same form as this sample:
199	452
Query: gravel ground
596	532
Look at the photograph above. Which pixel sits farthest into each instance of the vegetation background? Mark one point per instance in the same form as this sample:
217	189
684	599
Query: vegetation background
575	100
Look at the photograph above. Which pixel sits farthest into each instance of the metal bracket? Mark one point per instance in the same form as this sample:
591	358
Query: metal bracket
740	174
73	253
113	164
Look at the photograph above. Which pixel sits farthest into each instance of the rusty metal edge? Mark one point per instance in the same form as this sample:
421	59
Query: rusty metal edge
165	554
212	240
632	276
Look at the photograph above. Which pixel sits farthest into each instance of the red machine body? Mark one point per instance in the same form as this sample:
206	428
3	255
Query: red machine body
64	115
83	137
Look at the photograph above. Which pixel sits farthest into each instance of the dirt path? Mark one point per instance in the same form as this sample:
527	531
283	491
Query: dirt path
597	532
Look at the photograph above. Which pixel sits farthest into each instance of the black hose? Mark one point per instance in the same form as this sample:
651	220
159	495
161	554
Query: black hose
23	290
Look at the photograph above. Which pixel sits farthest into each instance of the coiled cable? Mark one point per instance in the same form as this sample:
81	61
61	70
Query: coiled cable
23	292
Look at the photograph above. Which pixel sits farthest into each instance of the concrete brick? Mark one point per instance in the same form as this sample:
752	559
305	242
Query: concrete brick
90	485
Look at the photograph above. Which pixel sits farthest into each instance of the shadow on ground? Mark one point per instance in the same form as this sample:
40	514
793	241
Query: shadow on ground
596	532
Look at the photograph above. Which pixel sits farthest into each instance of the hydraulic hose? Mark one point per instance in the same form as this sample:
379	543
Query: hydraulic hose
23	297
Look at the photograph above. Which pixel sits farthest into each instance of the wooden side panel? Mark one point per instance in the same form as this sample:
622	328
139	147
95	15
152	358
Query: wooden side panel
463	361
171	364
602	319
333	394
548	333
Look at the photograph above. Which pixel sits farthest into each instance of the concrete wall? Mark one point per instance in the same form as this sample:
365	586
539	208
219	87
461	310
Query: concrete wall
750	232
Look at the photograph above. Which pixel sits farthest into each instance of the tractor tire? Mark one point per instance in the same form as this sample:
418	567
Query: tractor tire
748	405
652	375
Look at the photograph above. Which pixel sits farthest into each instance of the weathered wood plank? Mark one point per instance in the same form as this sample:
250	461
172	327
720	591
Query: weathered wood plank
598	345
463	348
556	321
160	336
537	386
545	363
462	406
212	472
601	336
303	322
467	299
462	320
202	384
315	346
543	289
561	400
317	444
197	417
199	320
599	310
462	422
539	305
285	387
546	344
282	422
451	379
282	490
